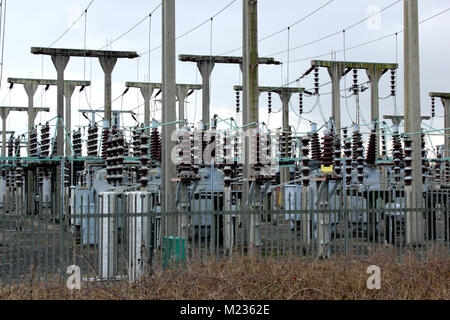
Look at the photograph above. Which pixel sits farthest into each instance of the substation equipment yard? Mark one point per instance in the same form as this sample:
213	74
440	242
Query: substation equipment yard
107	198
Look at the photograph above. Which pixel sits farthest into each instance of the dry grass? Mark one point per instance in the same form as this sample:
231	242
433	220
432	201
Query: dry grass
253	278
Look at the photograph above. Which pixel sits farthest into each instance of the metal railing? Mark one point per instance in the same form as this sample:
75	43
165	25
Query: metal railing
124	236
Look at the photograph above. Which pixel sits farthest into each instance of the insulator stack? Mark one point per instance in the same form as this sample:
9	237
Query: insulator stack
315	144
300	103
17	147
126	148
424	160
358	155
33	143
19	177
397	146
10	175
286	147
40	177
433	107
316	80
260	171
237	154
115	157
305	161
328	149
92	143
408	161
105	142
238	101
383	143
269	102
195	167
143	170
447	171
120	157
19	174
11	147
356	138
54	147
77	143
228	159
108	146
355	81
136	141
155	146
372	148
348	158
437	168
393	82
45	141
337	156
67	174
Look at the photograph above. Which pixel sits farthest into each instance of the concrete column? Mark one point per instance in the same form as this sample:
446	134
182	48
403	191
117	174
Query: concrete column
30	89
374	73
108	65
4	114
206	68
147	93
250	98
60	63
446	103
413	114
182	92
169	110
336	72
68	92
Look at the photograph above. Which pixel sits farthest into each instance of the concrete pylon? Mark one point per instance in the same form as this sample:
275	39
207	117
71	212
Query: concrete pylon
446	103
169	113
108	64
4	114
30	89
206	68
336	71
182	92
375	72
69	88
414	223
60	63
147	93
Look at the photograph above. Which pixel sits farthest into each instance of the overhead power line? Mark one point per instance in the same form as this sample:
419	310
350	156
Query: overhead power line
71	26
335	33
371	41
134	27
194	28
287	28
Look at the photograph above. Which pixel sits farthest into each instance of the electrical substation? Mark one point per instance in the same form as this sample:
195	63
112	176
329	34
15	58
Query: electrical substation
116	200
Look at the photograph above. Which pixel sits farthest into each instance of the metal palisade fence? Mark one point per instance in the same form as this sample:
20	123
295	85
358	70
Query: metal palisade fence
115	236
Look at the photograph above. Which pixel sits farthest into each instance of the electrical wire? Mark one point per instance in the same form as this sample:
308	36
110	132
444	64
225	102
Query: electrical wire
336	33
73	24
192	29
133	27
371	41
284	29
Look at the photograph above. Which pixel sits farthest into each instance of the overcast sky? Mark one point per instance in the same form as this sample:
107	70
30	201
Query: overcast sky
40	23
